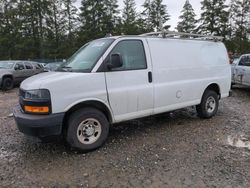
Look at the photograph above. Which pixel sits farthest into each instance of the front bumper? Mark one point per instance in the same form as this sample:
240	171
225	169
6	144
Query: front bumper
38	125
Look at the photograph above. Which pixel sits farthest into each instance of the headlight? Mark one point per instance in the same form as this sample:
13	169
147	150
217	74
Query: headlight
40	94
36	101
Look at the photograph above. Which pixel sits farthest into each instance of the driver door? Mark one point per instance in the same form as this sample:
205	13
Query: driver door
130	88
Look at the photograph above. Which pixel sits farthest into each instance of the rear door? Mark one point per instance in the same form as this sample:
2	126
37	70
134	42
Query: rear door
130	88
19	72
29	70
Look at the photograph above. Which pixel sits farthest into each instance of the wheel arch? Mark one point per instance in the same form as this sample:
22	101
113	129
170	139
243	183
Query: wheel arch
6	76
99	105
213	87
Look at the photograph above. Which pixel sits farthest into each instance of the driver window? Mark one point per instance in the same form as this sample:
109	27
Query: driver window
19	66
132	53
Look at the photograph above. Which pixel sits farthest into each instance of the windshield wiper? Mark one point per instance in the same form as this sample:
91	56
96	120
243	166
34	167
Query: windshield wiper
65	69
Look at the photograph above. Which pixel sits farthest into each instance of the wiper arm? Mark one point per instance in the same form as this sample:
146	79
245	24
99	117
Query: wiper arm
65	69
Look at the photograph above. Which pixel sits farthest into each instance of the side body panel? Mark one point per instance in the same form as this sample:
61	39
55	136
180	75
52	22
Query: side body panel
183	69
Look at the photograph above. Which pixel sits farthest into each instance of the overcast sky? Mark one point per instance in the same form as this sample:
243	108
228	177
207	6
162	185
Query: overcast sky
174	8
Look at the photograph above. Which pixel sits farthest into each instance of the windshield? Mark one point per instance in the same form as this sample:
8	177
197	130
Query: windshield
87	56
6	65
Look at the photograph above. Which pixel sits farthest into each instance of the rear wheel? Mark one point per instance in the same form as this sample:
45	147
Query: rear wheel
87	129
209	104
7	84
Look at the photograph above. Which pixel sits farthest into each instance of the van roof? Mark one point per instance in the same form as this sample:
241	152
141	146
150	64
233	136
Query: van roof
174	35
156	37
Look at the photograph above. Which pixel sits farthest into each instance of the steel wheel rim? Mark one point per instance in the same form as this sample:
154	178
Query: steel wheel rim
89	131
210	104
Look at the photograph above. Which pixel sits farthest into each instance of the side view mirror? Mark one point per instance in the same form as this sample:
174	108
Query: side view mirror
115	61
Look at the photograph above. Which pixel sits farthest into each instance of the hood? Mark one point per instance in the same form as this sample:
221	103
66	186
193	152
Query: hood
42	80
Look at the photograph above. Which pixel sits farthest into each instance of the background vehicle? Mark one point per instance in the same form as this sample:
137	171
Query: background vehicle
14	72
116	79
241	70
52	66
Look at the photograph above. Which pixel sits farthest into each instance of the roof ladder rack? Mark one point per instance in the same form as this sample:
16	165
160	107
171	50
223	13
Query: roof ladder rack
172	34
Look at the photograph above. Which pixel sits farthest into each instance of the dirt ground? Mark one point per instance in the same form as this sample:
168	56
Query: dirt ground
171	150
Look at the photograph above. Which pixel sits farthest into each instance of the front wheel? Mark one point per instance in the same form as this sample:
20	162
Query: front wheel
209	104
7	84
87	129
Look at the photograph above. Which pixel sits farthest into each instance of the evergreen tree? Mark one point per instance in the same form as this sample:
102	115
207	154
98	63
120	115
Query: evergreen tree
159	15
92	18
239	24
70	13
188	21
37	16
146	20
214	18
240	18
71	17
129	25
10	26
112	19
55	28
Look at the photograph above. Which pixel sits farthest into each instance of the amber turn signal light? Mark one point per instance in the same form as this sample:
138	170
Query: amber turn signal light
36	109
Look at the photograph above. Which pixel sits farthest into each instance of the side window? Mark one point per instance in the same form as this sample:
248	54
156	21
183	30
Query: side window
242	61
37	66
245	61
19	66
133	55
28	65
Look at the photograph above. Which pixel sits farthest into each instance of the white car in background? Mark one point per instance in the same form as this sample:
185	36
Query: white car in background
241	70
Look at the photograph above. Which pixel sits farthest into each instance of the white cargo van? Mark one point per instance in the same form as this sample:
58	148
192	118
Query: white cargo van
116	79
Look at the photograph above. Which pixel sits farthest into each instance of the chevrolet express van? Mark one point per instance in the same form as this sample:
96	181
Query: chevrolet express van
121	78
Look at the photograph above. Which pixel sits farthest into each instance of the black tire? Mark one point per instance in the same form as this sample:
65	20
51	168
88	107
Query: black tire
78	119
205	110
7	84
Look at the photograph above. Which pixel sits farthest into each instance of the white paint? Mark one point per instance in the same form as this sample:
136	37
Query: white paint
177	65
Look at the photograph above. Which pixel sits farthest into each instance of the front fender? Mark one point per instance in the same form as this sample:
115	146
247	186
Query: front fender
105	103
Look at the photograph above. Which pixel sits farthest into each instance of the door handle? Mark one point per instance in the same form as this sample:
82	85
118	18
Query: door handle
150	77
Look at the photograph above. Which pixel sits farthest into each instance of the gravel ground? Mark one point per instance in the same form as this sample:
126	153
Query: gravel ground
171	150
